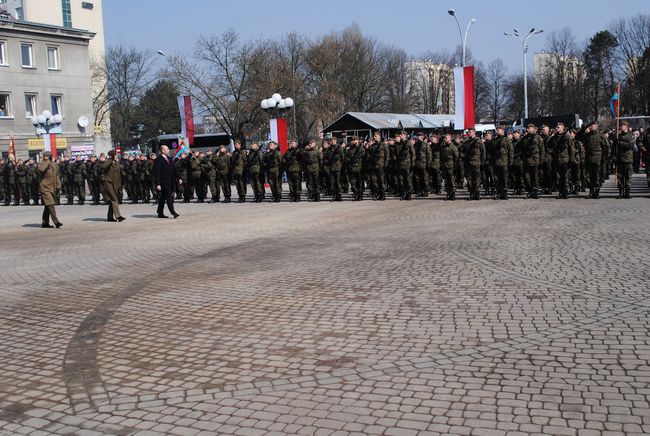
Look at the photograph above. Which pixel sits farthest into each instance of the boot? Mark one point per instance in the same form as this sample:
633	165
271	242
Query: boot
241	199
626	194
452	196
55	220
504	194
46	219
214	200
110	217
620	193
596	193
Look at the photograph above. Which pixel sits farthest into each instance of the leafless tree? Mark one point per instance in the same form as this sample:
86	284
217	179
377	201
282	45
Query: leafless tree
496	96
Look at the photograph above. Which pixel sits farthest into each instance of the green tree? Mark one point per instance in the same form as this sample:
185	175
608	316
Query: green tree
599	69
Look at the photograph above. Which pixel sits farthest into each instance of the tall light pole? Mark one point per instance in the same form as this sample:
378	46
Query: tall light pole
524	46
463	39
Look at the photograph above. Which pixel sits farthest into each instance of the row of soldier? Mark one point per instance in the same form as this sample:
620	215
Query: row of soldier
537	161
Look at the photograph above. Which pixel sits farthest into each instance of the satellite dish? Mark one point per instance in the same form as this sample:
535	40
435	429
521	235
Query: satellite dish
83	121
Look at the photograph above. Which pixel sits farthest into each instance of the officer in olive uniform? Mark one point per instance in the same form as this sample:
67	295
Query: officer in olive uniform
474	158
625	160
21	182
354	157
144	179
577	163
254	165
67	181
594	143
546	164
448	161
222	172
501	158
336	166
487	169
237	171
532	153
32	182
562	154
291	162
273	169
311	162
461	168
49	185
421	165
182	169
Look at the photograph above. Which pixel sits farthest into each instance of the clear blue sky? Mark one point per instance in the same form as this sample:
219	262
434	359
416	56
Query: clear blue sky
415	25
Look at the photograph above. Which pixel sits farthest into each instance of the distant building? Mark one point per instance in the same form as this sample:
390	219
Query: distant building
44	67
73	14
433	85
546	66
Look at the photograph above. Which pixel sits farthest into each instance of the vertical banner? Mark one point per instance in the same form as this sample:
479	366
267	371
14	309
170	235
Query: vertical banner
279	133
49	144
464	89
12	145
187	117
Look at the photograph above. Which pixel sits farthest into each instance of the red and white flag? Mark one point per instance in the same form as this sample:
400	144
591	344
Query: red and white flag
49	144
279	133
12	145
464	87
187	117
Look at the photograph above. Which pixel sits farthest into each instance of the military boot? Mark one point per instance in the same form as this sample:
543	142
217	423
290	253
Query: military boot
46	219
596	193
626	194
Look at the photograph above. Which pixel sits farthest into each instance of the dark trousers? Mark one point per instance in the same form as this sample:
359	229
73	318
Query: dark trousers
295	184
166	195
501	178
532	177
240	183
563	183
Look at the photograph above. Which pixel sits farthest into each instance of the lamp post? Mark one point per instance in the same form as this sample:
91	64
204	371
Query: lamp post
277	107
463	39
44	124
524	46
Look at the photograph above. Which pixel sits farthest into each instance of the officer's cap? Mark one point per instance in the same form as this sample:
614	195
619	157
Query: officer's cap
625	123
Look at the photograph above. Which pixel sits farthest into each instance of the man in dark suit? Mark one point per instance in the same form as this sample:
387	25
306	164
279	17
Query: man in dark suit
164	174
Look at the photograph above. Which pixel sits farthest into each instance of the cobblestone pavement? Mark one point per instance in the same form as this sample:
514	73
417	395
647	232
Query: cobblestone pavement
396	318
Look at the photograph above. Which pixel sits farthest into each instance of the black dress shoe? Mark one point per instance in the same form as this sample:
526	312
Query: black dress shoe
47	226
163	216
175	215
120	218
58	225
111	220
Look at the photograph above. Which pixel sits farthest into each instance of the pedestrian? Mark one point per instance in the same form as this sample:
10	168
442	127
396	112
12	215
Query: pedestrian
48	188
165	172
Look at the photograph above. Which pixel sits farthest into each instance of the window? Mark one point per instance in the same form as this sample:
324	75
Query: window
55	101
19	14
5	105
27	55
52	58
87	5
3	53
67	13
30	105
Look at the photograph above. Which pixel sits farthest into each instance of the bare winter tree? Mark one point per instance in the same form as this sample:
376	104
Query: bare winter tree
497	95
129	75
220	77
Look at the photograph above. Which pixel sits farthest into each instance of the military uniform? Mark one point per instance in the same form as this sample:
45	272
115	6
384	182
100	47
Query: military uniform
32	183
435	169
562	154
421	167
474	158
577	167
21	183
254	164
547	164
354	158
487	169
211	172
325	172
273	170
532	147
237	170
181	165
501	158
448	161
624	163
377	163
144	180
336	166
594	143
50	183
405	160
291	162
112	183
79	180
67	180
196	177
312	161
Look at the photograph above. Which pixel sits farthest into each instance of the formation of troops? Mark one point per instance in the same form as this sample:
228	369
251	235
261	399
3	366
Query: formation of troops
539	160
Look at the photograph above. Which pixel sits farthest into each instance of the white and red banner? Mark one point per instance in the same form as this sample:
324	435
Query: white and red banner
49	144
279	133
187	117
464	87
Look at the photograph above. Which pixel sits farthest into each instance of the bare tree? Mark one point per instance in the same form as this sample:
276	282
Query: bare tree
129	75
496	95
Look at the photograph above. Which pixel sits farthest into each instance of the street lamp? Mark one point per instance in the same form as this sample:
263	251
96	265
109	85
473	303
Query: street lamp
46	122
463	39
277	107
524	46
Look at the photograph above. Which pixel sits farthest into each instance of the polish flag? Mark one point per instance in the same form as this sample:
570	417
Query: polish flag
279	133
187	117
49	144
464	87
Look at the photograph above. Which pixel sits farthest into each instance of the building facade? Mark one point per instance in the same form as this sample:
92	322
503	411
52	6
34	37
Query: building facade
75	14
44	67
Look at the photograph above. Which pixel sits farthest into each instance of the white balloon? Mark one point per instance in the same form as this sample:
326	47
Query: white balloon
47	114
277	97
58	119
